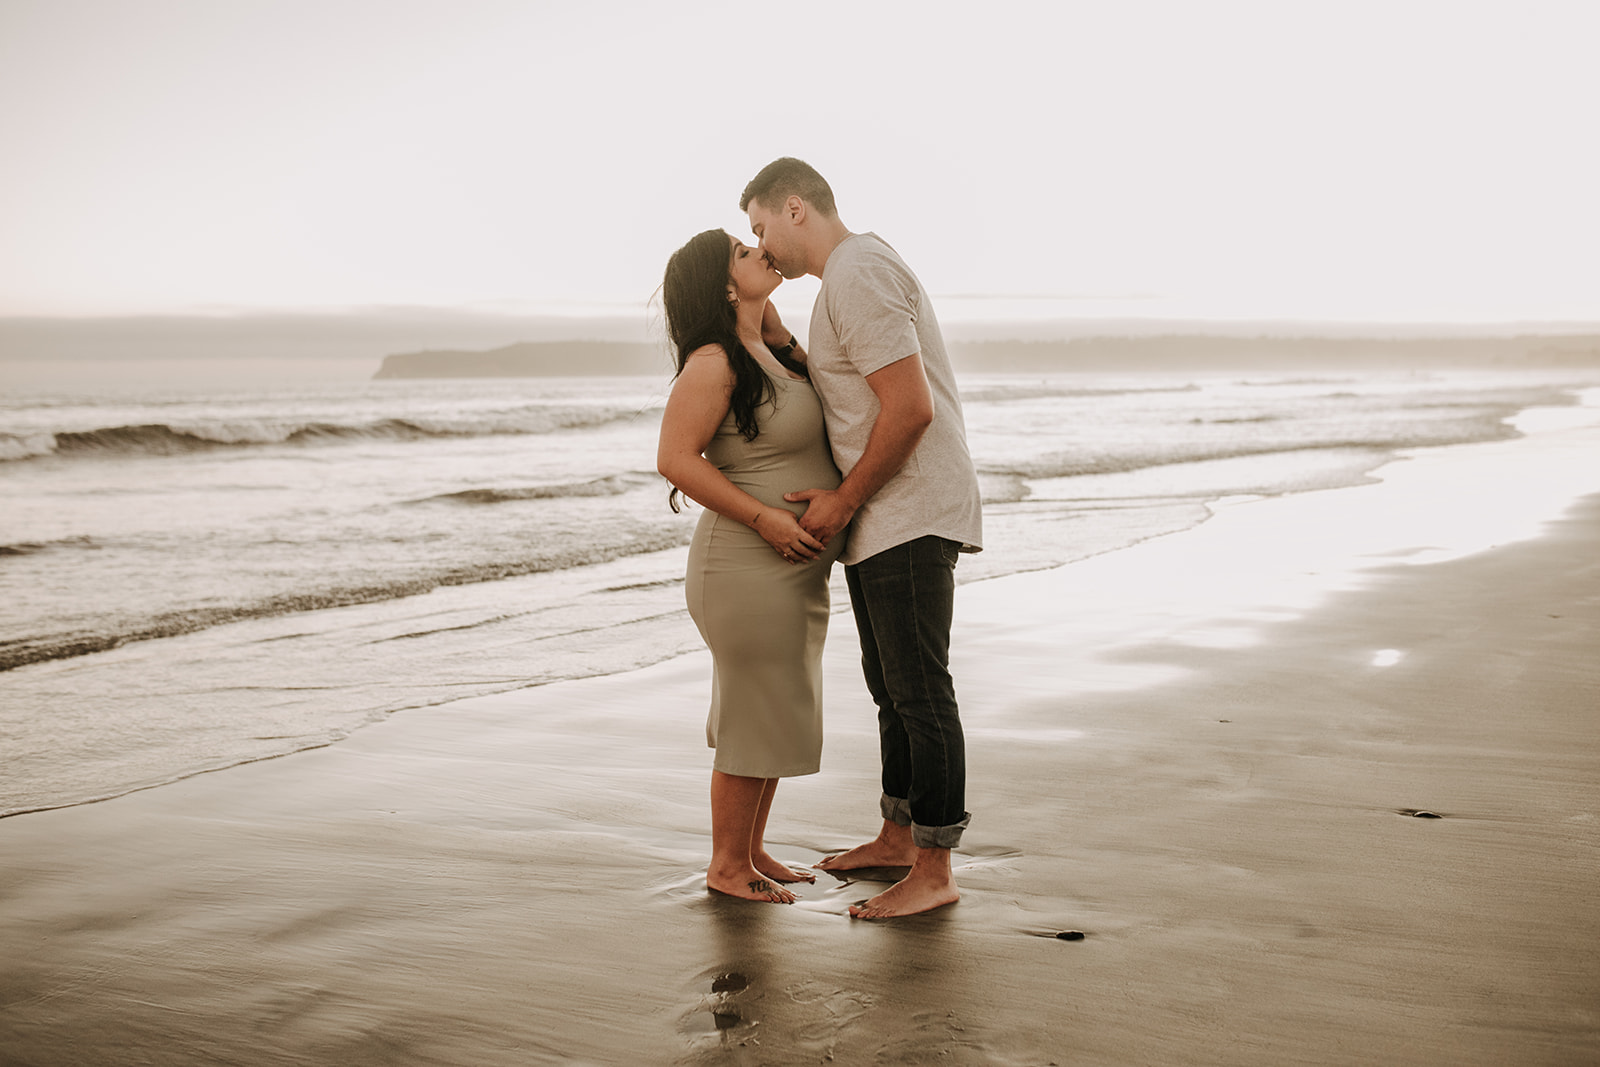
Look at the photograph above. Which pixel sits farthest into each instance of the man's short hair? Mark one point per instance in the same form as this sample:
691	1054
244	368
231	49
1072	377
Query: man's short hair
786	177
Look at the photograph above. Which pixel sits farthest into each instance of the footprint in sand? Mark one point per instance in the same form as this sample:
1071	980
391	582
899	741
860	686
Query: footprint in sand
724	987
730	1004
826	1011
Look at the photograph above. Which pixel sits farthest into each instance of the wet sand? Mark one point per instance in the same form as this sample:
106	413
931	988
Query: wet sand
1213	783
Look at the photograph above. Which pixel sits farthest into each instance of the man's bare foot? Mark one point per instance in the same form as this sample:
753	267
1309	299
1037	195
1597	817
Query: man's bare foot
779	872
912	895
747	884
891	848
871	854
931	884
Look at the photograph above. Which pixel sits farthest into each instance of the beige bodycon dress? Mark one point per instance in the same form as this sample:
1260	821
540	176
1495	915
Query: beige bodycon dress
765	618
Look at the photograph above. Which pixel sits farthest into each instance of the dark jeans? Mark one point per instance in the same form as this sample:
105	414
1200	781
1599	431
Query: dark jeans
903	599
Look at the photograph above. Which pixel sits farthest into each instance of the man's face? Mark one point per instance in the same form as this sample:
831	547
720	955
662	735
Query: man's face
777	236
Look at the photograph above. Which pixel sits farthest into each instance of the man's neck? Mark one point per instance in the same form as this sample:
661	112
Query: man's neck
830	235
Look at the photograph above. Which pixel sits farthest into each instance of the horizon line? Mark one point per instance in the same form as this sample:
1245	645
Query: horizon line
378	312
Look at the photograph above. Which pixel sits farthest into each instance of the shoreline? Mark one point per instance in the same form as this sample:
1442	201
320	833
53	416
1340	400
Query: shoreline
1205	775
318	644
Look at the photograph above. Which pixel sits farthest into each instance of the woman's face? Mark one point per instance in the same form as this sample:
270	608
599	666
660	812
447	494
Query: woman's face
750	275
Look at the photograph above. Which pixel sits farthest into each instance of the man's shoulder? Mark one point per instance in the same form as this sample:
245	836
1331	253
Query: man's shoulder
866	250
868	260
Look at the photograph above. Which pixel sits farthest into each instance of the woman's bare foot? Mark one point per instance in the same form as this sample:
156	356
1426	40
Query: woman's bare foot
891	848
747	884
779	872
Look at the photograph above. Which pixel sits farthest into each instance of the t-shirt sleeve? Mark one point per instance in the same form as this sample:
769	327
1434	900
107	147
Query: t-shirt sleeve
876	314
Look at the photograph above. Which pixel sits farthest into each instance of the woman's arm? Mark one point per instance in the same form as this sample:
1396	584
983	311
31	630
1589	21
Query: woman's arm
775	335
696	408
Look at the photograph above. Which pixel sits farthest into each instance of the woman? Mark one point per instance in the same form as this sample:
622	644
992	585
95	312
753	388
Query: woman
741	428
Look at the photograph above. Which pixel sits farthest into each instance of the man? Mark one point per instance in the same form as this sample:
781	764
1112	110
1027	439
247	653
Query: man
878	362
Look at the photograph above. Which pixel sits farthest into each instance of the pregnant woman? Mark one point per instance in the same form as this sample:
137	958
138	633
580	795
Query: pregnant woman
742	427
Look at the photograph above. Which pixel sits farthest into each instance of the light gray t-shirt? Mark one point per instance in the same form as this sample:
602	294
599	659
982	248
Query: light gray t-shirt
871	312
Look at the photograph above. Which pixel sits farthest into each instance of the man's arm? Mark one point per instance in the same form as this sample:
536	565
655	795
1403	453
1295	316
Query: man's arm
904	414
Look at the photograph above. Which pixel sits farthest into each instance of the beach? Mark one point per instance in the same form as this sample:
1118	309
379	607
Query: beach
351	709
1317	781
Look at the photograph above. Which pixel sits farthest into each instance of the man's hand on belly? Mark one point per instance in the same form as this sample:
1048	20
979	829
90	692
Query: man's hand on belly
827	512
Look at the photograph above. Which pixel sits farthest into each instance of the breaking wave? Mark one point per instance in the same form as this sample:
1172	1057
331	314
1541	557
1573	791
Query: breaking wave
613	485
176	439
114	632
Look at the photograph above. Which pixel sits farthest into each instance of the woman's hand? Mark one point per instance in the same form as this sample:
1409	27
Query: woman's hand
780	529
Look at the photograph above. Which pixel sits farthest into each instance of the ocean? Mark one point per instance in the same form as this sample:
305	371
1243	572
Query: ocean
193	578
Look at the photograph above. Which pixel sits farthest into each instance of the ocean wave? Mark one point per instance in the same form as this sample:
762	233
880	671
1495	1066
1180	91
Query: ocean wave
990	394
175	439
612	485
28	548
1080	464
19	652
151	439
1002	486
1275	383
15	446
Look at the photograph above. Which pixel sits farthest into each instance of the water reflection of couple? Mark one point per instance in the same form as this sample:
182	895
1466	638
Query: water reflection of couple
757	430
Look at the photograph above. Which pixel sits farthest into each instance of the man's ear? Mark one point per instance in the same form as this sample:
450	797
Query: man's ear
795	208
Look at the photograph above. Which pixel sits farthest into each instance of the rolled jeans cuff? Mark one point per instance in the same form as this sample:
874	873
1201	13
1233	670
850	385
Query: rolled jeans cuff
898	811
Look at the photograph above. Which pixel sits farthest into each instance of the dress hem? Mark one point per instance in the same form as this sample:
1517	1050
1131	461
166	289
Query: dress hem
810	768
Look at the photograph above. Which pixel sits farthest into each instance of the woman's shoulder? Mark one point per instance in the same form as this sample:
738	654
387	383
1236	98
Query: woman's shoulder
709	360
707	366
712	350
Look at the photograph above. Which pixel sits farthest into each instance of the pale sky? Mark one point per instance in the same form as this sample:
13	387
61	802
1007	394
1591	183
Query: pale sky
1399	161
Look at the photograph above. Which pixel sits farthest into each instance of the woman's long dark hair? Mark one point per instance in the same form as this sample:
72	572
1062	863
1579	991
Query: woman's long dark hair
694	296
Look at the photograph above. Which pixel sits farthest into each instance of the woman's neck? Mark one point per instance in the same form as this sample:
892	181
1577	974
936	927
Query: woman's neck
747	323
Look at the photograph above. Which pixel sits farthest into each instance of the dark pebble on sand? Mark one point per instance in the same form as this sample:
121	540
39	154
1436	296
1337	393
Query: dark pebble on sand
1070	935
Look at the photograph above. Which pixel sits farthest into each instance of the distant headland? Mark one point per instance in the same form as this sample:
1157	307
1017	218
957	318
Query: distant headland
529	359
408	343
1166	352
